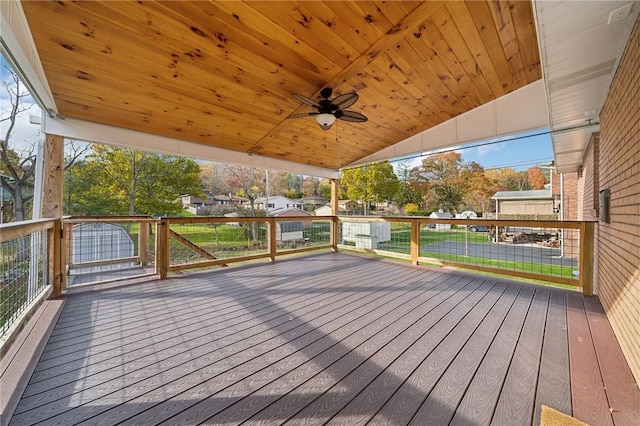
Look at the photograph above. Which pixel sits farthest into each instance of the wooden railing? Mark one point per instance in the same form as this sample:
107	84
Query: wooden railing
200	242
38	259
107	248
29	271
552	251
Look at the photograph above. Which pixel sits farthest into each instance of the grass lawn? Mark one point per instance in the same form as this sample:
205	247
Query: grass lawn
507	265
402	237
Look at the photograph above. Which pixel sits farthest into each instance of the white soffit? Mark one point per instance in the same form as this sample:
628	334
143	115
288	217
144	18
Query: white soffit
19	49
520	111
71	128
579	52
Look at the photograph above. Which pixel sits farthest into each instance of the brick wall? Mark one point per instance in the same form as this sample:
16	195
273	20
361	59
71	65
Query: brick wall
618	254
588	191
589	204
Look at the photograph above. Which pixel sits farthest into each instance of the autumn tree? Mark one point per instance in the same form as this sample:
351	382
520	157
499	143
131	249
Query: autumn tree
212	176
536	178
446	176
310	186
373	182
508	179
479	189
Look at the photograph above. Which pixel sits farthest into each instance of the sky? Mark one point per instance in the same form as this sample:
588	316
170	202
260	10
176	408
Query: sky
519	152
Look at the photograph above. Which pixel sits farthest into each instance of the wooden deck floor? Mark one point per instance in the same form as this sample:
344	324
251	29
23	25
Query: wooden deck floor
324	339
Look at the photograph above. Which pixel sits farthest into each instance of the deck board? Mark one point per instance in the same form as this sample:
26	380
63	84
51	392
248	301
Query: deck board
622	392
516	402
326	338
554	382
589	399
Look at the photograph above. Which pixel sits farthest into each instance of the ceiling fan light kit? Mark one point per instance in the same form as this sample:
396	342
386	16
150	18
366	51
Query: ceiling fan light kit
325	120
327	111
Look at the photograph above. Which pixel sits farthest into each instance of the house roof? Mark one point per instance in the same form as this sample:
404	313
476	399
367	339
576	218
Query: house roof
441	215
213	80
274	197
290	211
228	198
534	194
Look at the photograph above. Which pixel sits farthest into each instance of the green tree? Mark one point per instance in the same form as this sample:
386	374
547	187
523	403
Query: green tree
324	188
374	182
407	193
119	181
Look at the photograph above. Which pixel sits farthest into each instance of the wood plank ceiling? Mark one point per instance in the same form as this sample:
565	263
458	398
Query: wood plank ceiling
222	73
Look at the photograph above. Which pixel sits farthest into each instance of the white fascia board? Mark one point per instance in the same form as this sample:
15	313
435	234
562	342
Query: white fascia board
71	128
523	110
20	50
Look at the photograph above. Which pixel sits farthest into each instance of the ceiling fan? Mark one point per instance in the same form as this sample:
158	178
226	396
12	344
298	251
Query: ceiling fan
329	110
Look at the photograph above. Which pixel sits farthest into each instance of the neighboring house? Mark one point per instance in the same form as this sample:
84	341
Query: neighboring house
534	204
345	208
276	202
293	212
226	200
203	207
312	203
440	215
324	210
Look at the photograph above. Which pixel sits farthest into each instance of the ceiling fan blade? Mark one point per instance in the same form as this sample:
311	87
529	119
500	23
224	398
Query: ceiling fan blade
352	116
306	100
345	100
303	114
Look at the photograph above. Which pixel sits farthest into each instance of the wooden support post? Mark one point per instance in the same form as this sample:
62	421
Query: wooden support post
272	239
335	233
143	242
587	237
53	176
162	248
52	204
335	184
415	241
55	250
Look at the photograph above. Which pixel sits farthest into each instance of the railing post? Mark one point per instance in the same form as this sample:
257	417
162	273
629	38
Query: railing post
143	242
587	236
66	252
272	239
415	241
335	226
162	248
55	257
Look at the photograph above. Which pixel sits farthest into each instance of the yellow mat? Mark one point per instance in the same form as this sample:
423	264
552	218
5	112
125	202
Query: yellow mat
551	417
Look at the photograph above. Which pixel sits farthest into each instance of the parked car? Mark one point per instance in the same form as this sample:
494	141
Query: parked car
478	228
